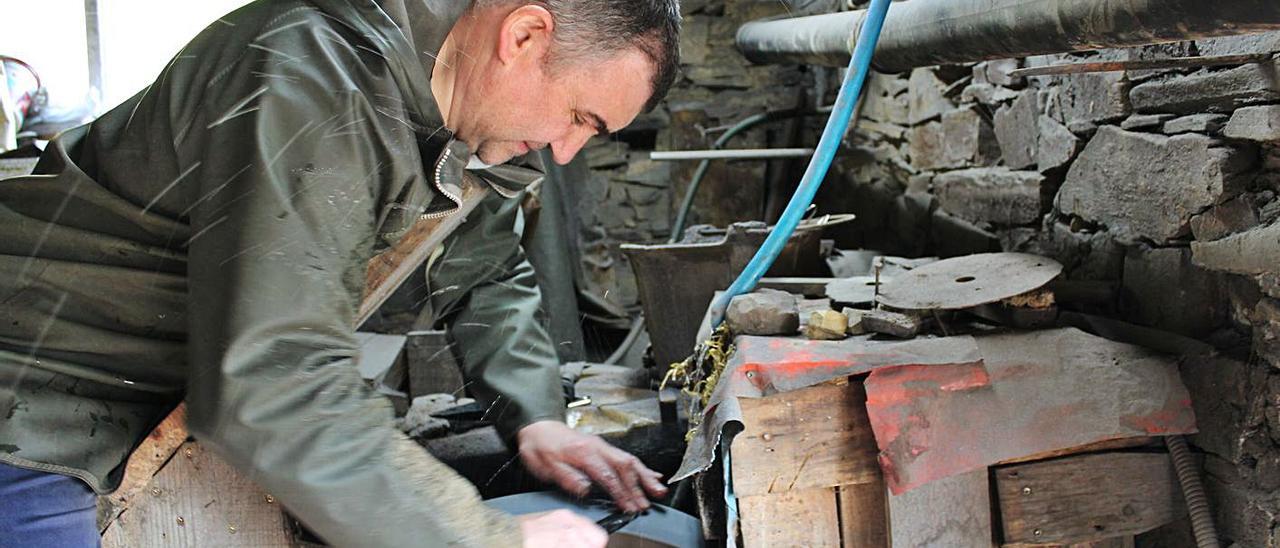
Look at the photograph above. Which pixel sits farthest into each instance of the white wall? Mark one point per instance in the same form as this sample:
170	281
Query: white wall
138	39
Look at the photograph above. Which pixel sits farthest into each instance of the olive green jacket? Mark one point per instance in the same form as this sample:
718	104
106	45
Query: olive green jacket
207	240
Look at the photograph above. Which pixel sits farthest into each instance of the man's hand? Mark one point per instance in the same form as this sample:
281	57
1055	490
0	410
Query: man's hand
558	454
561	529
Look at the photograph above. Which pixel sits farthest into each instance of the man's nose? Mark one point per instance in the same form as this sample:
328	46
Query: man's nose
563	150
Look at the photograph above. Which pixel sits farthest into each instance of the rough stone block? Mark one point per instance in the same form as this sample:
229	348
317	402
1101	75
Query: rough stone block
1266	42
1218	388
896	324
1166	291
997	72
924	142
993	195
1244	517
1261	123
1254	252
885	100
987	94
1235	215
854	326
1017	130
1145	121
1085	255
1148	186
927	96
826	325
1209	124
968	139
763	312
1209	90
1266	319
1095	98
1056	146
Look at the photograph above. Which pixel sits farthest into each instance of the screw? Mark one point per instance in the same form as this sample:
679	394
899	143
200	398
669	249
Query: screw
1037	532
181	522
155	491
190	453
231	528
751	374
1026	491
767	436
270	499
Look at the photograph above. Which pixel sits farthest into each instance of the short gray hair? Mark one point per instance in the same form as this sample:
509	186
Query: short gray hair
596	28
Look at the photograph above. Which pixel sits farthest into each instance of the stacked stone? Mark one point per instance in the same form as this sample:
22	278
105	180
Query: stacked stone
1164	181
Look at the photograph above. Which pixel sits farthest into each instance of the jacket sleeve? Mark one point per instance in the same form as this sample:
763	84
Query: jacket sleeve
484	291
290	184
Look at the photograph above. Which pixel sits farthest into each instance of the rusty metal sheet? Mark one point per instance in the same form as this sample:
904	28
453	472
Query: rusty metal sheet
761	366
1036	392
966	282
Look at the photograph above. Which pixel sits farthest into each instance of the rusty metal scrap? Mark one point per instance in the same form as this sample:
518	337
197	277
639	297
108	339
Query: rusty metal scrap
966	282
1034	393
762	366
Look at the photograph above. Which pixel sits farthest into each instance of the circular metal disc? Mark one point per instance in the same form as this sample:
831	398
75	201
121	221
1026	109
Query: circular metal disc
966	282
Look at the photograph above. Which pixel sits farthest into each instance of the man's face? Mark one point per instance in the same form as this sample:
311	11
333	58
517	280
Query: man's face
535	106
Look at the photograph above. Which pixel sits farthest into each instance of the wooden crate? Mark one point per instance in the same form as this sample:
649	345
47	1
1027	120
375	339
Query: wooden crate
805	470
806	474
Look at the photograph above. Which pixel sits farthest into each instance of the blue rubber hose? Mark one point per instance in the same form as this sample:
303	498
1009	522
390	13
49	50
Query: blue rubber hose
832	135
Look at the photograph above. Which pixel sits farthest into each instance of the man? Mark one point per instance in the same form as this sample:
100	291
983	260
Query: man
208	238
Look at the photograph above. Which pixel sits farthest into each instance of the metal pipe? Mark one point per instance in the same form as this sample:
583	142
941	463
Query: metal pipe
934	32
732	154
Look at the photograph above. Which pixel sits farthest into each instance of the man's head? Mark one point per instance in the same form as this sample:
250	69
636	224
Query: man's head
527	74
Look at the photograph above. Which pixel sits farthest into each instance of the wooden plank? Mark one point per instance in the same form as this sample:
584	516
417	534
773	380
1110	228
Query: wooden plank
813	437
1102	446
802	518
384	274
954	512
199	500
864	515
1087	497
143	464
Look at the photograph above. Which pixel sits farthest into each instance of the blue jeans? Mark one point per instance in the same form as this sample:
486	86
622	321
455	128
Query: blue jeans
39	509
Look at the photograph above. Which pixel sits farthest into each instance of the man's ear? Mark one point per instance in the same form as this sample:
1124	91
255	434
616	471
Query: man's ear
525	35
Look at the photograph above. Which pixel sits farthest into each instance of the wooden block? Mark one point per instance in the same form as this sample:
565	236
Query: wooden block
433	366
954	512
199	500
1086	497
814	437
803	518
864	515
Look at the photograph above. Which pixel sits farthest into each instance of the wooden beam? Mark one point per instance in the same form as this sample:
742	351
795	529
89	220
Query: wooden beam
864	515
1086	498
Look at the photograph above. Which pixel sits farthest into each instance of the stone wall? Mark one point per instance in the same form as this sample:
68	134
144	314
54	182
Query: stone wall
1164	182
628	198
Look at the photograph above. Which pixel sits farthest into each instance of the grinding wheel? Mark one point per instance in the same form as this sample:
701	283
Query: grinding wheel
966	282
